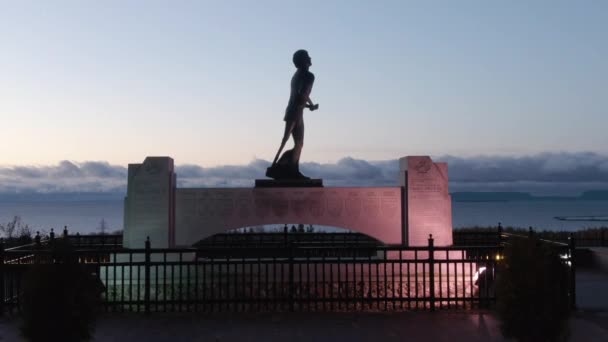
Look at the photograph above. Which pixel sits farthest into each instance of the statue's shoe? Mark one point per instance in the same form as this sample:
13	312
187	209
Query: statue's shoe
299	175
280	172
273	172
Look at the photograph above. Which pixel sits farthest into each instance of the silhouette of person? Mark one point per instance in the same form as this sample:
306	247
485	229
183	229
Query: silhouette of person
299	98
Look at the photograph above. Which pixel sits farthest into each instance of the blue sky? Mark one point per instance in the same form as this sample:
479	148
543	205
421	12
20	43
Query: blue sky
206	82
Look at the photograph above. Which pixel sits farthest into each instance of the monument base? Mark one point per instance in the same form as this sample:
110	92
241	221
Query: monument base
289	183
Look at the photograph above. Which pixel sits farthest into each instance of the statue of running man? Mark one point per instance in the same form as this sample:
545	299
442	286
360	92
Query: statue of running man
287	167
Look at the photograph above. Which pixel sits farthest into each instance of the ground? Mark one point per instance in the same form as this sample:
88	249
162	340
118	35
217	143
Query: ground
589	323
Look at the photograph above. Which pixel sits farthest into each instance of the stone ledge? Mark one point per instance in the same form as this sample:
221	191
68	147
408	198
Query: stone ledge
289	183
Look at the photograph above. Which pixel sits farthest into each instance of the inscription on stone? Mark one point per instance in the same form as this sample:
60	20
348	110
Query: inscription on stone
371	211
150	203
428	202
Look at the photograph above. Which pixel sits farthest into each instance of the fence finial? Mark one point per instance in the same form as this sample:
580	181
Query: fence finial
37	239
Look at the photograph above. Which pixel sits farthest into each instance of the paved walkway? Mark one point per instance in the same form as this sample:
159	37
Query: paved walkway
412	326
592	301
591	290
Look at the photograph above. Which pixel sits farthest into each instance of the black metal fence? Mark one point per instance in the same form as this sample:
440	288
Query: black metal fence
285	278
293	275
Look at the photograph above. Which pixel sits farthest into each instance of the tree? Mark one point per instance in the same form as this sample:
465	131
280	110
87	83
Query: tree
532	292
301	228
61	299
16	229
8	229
103	227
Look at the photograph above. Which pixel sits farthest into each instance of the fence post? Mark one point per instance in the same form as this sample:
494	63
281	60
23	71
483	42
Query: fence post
572	250
291	281
432	271
37	240
147	278
51	237
1	277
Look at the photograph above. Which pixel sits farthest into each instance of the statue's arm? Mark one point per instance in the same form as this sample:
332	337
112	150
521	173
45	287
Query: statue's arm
305	91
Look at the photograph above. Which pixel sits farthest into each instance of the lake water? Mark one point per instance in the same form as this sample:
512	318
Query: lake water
84	216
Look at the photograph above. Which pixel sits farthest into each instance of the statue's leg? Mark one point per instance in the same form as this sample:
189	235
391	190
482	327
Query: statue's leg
298	139
289	125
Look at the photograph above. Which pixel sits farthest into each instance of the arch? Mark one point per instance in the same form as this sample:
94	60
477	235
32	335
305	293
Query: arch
375	212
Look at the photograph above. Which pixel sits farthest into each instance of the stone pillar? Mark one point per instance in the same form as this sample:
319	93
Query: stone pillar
427	204
150	204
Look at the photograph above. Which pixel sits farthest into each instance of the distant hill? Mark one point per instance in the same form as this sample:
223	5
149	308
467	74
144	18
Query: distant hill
490	196
595	195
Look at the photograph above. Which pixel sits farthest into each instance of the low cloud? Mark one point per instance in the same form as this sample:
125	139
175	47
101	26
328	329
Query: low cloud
546	173
66	176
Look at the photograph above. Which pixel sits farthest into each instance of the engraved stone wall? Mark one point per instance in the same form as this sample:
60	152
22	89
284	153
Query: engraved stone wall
429	205
372	211
150	203
405	214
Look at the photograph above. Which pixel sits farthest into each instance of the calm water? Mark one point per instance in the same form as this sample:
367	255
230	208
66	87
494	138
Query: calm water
84	216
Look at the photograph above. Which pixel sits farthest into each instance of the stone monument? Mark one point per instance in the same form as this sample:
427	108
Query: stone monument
403	214
428	204
149	208
399	215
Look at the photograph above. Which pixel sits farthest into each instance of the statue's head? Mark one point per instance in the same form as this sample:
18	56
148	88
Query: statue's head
301	59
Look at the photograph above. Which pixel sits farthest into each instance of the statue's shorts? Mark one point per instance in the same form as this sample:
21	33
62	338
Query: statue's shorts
296	119
298	130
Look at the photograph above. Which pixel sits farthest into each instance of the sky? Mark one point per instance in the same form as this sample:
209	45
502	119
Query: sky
207	82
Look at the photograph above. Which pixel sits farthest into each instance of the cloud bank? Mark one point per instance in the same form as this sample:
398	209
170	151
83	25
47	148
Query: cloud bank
546	173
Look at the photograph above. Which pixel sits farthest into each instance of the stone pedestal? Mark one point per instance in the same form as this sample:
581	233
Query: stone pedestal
289	183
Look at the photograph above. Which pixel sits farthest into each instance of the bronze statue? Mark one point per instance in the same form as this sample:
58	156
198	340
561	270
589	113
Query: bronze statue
287	167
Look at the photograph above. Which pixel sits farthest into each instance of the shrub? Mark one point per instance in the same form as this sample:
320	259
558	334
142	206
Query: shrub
60	300
532	292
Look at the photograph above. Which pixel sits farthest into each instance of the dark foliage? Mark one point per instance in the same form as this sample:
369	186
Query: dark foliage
61	299
532	292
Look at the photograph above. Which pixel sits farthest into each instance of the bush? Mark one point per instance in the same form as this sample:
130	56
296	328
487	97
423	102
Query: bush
532	292
60	300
